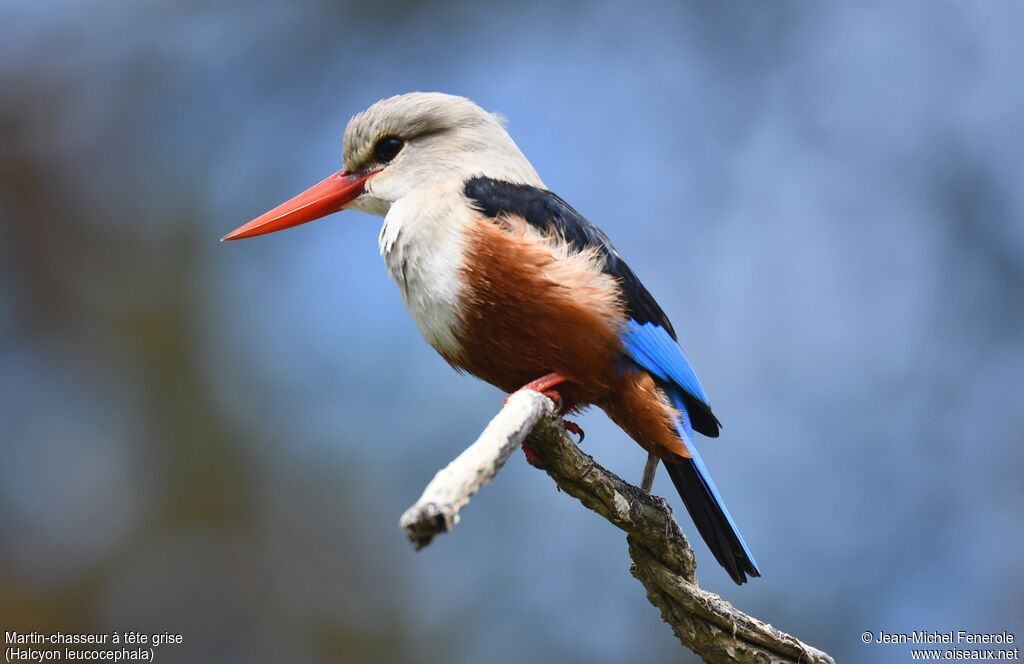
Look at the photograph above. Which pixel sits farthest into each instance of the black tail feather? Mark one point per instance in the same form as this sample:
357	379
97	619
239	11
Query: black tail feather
712	523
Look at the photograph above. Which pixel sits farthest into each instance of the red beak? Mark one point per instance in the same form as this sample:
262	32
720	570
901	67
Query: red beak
320	200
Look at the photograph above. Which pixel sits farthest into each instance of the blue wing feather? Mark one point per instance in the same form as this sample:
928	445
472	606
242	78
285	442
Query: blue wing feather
651	347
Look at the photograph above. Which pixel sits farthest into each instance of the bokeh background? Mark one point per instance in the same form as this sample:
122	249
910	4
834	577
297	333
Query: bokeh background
218	440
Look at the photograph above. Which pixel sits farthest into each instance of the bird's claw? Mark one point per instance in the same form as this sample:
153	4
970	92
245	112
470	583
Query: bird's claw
532	457
556	397
545	385
572	427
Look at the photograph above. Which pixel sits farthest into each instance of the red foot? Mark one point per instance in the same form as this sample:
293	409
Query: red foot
532	457
544	385
572	427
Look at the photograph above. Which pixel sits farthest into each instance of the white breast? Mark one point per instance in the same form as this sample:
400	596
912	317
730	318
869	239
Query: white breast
423	244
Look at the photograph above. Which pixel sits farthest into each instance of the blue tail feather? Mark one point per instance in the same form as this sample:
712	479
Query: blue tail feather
705	505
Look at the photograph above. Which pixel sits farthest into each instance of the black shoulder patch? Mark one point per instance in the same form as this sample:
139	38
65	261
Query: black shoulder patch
545	210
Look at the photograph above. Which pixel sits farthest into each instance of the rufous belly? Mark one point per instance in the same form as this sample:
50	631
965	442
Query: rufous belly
531	305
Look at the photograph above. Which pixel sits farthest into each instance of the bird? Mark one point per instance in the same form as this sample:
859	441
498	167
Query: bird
509	283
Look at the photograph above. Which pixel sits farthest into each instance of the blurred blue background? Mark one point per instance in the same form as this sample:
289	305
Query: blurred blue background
218	440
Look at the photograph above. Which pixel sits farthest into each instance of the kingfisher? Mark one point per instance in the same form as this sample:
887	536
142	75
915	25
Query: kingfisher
509	283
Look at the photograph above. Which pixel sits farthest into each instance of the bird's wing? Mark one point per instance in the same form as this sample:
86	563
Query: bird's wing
648	337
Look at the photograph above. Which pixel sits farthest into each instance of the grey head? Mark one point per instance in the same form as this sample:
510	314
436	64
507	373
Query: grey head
428	139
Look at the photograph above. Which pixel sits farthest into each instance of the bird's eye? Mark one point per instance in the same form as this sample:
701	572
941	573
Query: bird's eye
387	149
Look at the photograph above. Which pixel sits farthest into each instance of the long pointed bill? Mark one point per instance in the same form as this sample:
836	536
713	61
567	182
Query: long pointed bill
320	200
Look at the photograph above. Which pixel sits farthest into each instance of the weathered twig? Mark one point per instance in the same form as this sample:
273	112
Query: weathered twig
437	510
662	558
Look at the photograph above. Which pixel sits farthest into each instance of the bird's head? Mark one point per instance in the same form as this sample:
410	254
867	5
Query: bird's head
400	145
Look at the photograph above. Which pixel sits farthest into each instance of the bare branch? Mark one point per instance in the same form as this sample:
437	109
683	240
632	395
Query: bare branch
437	510
662	558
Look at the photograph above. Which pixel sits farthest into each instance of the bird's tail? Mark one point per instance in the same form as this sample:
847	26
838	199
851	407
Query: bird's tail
705	505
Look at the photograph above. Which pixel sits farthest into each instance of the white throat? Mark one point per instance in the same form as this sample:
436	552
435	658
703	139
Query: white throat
423	245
